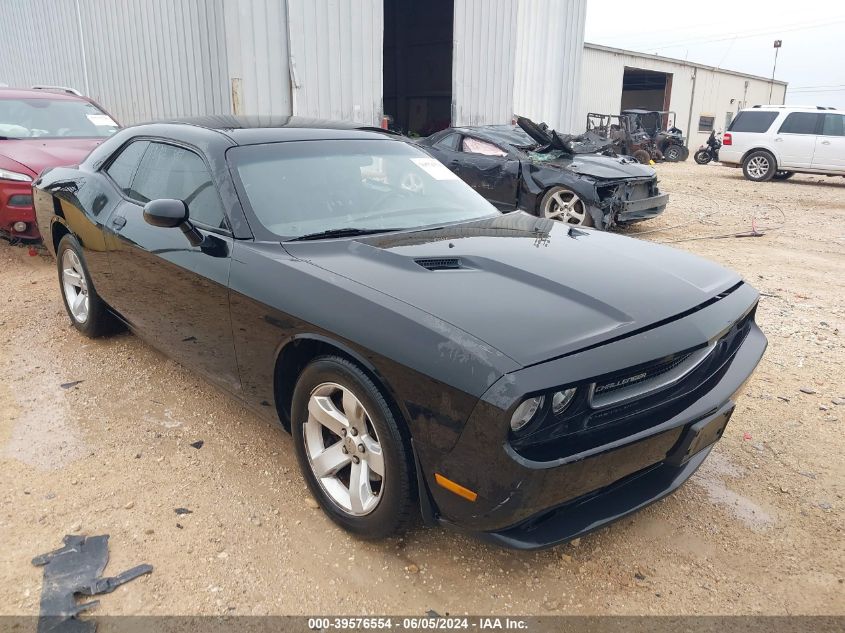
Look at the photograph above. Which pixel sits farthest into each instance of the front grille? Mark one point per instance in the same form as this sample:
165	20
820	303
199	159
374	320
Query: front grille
641	378
639	191
614	409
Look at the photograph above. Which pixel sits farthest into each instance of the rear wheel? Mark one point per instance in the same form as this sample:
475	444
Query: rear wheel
565	206
759	166
352	454
783	175
87	311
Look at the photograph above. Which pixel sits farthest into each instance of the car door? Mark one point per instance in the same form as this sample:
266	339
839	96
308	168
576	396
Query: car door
796	139
488	169
830	144
491	171
447	151
175	294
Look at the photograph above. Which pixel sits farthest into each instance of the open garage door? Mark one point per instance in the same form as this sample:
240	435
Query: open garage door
418	64
645	89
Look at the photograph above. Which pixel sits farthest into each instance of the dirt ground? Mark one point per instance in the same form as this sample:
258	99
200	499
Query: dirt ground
758	530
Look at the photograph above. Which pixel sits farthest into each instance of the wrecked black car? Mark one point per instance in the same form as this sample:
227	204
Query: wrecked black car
574	179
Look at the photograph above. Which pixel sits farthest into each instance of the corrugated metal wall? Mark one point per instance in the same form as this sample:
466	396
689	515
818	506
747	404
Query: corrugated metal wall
142	59
57	59
336	58
547	77
483	61
257	56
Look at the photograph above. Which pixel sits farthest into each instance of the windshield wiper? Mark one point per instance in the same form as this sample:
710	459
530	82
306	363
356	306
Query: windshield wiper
345	232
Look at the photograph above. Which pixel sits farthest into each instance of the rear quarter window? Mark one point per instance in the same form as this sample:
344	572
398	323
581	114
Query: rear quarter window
755	122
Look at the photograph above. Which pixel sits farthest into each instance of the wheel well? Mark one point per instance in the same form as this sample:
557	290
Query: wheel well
296	355
59	231
758	149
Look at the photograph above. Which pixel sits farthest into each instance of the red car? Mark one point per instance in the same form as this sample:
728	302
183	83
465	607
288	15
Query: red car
40	128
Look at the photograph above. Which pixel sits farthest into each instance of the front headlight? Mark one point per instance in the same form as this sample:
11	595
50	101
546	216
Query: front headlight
525	412
561	400
5	174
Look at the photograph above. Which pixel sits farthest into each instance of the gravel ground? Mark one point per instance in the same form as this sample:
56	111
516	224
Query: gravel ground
758	530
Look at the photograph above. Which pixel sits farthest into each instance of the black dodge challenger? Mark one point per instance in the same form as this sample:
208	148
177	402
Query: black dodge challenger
511	375
559	177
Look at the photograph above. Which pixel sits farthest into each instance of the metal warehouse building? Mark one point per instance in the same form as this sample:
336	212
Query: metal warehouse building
703	97
425	64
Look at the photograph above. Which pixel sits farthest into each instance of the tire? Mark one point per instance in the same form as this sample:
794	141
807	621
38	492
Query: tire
564	205
674	153
759	166
783	175
328	440
90	315
642	156
685	153
702	157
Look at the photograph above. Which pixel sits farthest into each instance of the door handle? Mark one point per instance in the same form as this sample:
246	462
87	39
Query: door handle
118	221
825	142
778	139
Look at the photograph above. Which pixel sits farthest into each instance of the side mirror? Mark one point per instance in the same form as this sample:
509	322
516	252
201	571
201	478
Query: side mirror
168	213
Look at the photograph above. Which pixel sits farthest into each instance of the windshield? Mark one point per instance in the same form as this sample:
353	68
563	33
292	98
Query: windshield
53	118
305	187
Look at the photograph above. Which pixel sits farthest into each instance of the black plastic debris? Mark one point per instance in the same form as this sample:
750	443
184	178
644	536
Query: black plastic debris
198	444
68	385
73	570
181	511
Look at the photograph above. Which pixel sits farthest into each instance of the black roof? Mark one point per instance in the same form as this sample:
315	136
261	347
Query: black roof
246	130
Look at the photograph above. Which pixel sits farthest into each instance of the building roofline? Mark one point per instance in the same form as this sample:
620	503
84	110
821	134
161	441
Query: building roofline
683	62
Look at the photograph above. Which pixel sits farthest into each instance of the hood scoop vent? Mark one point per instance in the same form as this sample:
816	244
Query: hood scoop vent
439	263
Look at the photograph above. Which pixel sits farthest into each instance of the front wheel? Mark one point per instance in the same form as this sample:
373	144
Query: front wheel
87	311
674	153
350	449
565	206
702	157
759	166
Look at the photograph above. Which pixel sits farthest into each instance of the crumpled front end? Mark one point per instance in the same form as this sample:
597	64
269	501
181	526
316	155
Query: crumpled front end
630	200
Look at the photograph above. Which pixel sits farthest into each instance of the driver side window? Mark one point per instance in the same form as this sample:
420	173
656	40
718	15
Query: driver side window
474	146
167	171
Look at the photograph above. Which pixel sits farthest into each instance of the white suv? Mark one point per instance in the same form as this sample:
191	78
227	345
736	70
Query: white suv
778	141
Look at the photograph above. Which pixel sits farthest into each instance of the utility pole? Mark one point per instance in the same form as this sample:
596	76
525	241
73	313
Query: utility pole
772	84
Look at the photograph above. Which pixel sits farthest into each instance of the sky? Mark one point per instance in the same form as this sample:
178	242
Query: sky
736	35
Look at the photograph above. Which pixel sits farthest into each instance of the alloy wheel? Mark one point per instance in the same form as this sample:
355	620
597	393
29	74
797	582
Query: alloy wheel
75	286
343	449
758	166
565	206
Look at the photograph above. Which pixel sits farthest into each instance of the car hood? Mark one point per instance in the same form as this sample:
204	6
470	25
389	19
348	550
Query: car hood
38	154
598	166
531	288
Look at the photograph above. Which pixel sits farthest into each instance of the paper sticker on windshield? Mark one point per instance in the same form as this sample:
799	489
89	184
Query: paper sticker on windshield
434	168
101	120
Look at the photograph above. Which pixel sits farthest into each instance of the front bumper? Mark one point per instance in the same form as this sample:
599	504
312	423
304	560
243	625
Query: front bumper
531	504
637	210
